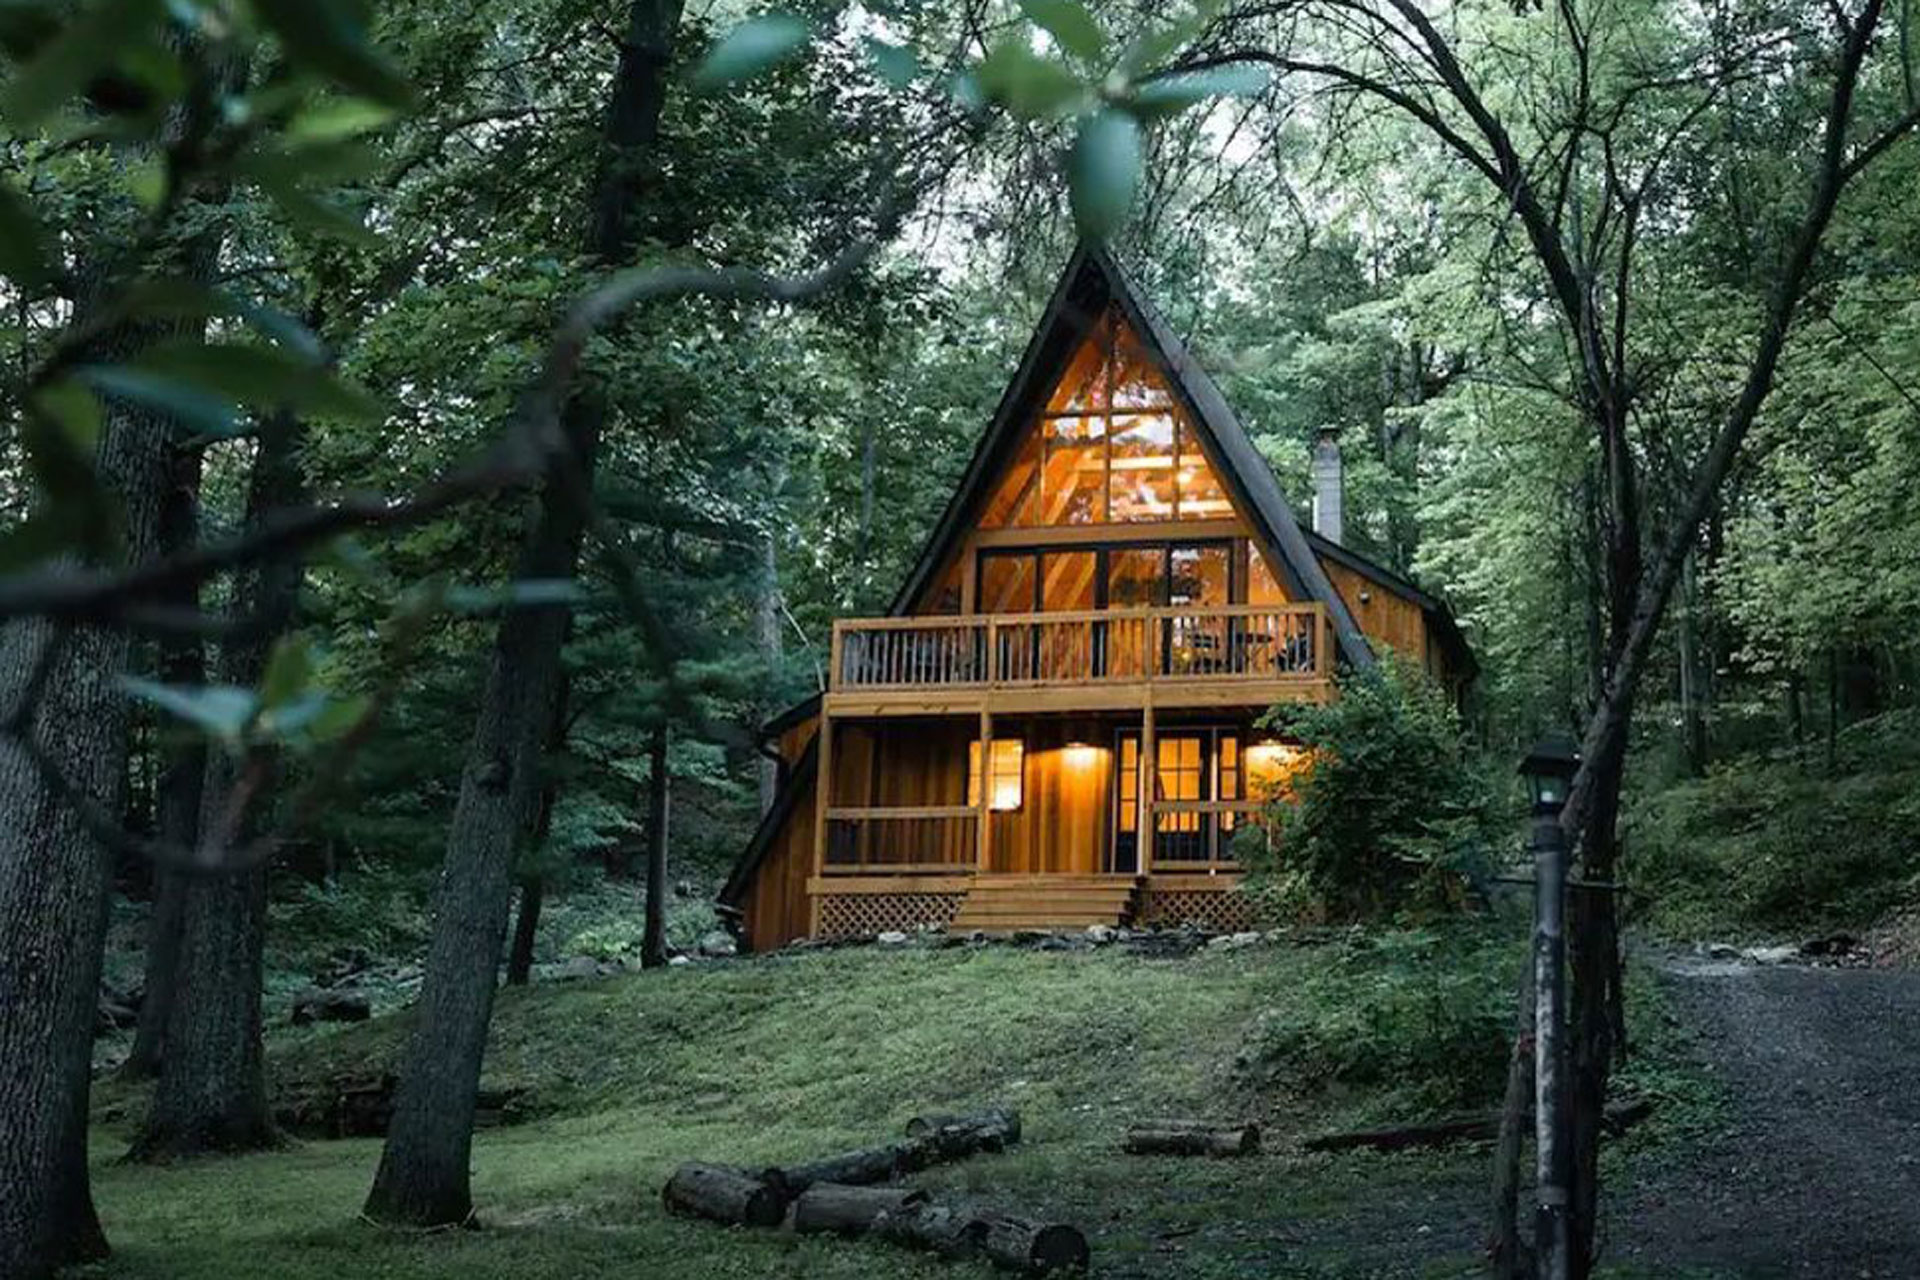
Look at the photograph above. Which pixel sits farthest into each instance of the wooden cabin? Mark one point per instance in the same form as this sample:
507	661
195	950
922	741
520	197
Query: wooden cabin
1053	726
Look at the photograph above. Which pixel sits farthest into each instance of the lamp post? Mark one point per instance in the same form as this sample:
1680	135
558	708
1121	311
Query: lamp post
1549	769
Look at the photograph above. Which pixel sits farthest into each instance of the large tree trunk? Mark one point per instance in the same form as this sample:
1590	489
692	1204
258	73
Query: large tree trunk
54	875
213	1093
766	626
653	942
180	785
526	930
424	1176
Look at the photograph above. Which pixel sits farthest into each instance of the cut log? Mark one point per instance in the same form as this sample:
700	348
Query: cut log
932	1140
966	1231
945	1229
1620	1117
1000	1123
1192	1138
830	1207
723	1195
1018	1244
852	1168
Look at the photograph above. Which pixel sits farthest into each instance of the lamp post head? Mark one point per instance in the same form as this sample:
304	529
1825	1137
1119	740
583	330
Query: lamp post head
1549	769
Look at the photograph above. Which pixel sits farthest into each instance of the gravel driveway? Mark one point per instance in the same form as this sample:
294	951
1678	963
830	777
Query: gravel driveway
1817	1172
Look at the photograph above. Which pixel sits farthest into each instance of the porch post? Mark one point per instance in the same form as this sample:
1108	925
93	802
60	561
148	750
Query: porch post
983	820
1149	780
822	798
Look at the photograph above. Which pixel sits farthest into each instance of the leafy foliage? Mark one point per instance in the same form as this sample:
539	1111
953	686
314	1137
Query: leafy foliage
1388	813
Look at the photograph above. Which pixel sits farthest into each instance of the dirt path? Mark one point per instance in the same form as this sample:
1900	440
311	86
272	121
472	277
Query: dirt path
1817	1172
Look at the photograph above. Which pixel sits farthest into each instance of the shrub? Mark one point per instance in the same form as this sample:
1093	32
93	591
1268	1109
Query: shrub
1388	811
1767	848
1423	1014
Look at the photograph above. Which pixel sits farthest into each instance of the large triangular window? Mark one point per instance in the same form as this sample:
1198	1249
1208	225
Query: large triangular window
1111	446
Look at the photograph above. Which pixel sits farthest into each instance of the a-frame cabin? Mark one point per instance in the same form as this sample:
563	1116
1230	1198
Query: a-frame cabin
1115	594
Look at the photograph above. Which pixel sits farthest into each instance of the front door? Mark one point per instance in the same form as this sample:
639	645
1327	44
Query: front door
1194	765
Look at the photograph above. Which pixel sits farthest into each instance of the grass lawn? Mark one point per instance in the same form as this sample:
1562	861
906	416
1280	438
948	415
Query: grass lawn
789	1056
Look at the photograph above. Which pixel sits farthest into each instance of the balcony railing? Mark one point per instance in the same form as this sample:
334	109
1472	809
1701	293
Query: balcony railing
1112	646
901	841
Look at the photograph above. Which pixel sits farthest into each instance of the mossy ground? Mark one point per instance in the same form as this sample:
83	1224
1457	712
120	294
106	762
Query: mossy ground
787	1056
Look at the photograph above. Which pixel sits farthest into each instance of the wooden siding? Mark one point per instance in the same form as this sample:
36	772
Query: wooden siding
1062	823
774	908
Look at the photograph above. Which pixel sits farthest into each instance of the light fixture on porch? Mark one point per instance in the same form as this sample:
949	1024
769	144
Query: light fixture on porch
1269	760
1081	754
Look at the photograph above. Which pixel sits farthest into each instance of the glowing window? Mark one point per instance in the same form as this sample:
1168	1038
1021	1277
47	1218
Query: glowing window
1009	769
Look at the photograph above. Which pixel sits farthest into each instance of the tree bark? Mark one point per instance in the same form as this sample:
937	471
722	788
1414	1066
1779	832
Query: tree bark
723	1195
213	1091
526	930
828	1208
424	1177
653	942
180	785
766	626
54	871
1161	1138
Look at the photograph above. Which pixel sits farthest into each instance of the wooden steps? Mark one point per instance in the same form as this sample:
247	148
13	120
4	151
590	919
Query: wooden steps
1007	904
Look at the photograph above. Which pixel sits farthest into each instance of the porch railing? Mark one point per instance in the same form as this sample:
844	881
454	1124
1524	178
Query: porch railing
1183	643
928	840
1198	835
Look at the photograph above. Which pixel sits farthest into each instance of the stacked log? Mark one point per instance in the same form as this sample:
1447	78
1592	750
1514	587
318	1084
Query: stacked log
851	1211
1192	1138
725	1195
838	1195
967	1231
930	1140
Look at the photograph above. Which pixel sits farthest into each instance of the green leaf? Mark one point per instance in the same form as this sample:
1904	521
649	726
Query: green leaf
330	36
76	412
1104	170
23	245
84	46
898	65
338	717
289	670
322	217
1170	94
1070	25
339	120
192	407
221	711
1027	84
750	49
262	376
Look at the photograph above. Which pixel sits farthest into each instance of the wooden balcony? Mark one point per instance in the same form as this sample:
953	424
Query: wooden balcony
1216	655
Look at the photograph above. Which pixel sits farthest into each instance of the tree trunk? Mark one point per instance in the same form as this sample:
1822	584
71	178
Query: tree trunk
213	1091
181	782
424	1176
653	943
526	929
1511	1259
54	875
766	626
1165	1139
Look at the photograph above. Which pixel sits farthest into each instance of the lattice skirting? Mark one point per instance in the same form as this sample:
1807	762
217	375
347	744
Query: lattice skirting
845	915
1216	910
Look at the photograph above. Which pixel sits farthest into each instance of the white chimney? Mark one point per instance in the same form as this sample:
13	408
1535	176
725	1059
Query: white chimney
1328	485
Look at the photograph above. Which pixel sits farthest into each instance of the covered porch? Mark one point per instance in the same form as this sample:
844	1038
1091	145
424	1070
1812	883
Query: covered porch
1037	821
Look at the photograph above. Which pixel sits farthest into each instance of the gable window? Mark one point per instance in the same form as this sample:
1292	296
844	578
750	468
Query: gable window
1009	770
1112	446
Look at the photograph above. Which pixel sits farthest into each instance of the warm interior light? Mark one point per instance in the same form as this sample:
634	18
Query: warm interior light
1270	761
1081	755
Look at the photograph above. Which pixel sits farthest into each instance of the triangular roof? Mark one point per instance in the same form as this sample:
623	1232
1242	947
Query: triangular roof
1091	283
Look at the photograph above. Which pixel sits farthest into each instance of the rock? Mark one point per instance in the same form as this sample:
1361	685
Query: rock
718	943
1721	951
1100	934
330	1006
575	969
1239	940
684	889
1772	955
892	938
1833	944
679	960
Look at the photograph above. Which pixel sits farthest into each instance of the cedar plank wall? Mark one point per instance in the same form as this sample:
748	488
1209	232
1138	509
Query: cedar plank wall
1061	825
776	904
